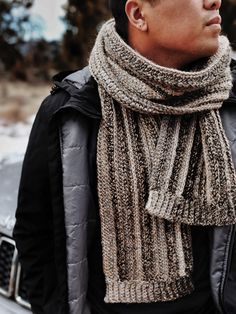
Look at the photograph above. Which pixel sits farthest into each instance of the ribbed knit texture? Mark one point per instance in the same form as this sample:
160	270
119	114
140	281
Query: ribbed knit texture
163	163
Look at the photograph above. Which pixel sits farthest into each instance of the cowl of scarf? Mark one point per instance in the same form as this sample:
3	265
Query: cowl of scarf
163	163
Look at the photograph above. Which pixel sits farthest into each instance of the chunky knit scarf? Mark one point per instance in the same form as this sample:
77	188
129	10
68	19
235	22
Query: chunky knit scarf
163	164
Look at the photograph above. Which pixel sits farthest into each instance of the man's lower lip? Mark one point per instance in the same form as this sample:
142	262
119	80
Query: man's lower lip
215	26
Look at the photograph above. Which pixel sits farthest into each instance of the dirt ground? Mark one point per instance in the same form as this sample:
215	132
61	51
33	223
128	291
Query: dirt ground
20	100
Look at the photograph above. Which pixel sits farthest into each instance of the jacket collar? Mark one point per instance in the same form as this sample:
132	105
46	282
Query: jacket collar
83	91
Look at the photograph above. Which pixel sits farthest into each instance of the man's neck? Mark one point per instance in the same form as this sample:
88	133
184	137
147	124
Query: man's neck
161	56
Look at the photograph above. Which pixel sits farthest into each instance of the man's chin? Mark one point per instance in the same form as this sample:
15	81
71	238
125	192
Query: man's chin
212	47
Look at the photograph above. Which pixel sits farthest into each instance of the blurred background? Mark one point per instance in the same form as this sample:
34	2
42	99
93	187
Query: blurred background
39	38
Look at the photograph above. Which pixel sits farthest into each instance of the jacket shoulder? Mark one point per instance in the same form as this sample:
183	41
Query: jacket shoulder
79	78
65	85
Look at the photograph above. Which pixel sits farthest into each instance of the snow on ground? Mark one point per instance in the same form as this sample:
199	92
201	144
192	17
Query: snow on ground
13	141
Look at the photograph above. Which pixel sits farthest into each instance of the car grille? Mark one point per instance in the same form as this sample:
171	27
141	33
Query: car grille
11	276
8	259
20	291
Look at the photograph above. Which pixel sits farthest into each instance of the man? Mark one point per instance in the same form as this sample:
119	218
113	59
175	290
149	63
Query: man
127	196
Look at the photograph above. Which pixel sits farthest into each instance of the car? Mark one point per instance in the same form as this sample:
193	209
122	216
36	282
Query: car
13	295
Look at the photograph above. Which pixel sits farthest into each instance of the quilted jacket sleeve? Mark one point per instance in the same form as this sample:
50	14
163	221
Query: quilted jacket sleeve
33	230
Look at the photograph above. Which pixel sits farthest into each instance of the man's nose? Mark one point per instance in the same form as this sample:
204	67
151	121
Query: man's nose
212	4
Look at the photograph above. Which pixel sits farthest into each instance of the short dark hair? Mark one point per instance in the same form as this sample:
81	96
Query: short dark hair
118	11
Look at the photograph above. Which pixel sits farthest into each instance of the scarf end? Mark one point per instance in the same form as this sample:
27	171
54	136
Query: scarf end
196	212
147	292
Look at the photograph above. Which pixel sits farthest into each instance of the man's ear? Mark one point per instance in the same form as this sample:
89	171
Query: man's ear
133	9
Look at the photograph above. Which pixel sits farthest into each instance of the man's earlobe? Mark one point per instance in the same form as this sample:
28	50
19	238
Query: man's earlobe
142	25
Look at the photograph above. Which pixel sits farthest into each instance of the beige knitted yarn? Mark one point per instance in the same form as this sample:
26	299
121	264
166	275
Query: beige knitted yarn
163	163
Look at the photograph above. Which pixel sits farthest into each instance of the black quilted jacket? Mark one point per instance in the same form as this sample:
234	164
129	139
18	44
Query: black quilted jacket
40	231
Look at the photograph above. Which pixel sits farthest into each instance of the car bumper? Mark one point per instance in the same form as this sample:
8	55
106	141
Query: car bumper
8	306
